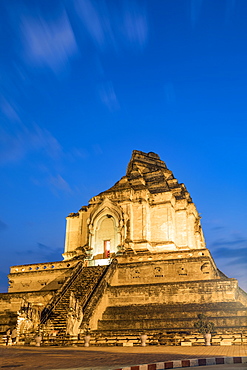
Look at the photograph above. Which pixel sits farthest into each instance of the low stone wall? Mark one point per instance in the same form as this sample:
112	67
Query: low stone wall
13	301
166	267
175	293
39	276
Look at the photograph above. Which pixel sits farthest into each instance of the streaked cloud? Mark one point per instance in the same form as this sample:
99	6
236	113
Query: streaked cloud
223	242
230	253
43	246
59	183
231	257
229	249
230	7
52	180
9	110
49	39
41	138
218	228
22	143
19	141
234	269
41	253
96	22
114	26
97	149
53	255
195	11
135	25
3	226
228	245
27	252
48	253
49	43
236	255
108	96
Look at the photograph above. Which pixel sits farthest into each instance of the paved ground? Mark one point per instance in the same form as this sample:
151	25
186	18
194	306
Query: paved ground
225	367
106	358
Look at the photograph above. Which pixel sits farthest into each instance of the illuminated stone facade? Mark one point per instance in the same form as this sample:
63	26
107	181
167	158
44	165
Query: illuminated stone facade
147	210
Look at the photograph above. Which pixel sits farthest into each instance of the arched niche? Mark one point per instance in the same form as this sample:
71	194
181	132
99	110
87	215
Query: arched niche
106	230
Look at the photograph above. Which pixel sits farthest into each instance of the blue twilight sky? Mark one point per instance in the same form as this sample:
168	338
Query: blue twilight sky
84	82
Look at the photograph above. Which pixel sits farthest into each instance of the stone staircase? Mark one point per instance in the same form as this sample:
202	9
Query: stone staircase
168	321
81	284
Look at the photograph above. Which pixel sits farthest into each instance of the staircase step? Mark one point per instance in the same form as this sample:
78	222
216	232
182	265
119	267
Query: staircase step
85	282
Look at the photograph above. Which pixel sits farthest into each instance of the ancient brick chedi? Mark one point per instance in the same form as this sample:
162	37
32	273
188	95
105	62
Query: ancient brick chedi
146	210
135	260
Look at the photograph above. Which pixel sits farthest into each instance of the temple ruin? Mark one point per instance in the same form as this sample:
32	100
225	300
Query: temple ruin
134	261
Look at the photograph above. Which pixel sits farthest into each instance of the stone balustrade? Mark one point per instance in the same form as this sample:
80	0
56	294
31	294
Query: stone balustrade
42	266
169	255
